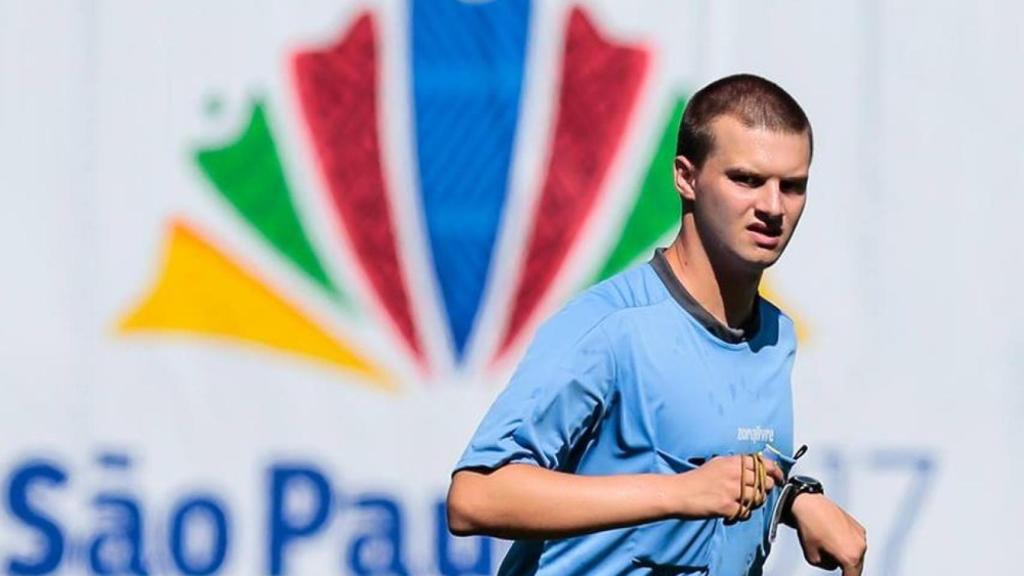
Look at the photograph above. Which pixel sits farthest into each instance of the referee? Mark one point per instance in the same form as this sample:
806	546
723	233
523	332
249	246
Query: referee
649	427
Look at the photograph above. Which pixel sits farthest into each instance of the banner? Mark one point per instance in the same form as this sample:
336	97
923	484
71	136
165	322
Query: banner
269	263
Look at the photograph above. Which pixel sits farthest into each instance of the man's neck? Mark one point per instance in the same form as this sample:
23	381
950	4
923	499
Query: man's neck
728	296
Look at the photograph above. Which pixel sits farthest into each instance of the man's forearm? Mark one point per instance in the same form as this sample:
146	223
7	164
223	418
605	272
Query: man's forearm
526	501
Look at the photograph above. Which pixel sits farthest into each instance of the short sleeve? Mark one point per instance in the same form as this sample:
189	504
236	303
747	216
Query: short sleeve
558	391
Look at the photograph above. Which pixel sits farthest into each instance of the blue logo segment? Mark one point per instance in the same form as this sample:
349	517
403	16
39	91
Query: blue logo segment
467	67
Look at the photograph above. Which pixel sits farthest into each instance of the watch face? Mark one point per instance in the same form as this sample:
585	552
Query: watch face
807	484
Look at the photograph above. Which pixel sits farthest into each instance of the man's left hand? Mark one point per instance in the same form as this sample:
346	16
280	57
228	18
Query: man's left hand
830	537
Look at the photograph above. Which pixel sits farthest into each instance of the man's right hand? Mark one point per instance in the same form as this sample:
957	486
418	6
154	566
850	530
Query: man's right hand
714	489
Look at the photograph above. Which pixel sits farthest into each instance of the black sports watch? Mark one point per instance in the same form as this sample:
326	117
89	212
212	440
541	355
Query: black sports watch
796	486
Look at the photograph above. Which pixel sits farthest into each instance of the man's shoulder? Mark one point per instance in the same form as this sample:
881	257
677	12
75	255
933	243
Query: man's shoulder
635	288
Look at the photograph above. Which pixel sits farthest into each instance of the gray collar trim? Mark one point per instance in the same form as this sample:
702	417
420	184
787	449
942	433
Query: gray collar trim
747	331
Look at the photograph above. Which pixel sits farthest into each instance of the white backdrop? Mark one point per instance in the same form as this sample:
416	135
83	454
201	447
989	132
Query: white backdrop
122	451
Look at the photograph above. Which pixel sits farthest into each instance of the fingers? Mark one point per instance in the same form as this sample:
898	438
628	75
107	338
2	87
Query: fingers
854	568
774	471
741	514
751	495
753	491
827	563
767	482
759	481
757	493
758	476
743	511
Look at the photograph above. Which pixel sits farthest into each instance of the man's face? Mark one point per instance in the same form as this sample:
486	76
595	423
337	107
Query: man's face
748	196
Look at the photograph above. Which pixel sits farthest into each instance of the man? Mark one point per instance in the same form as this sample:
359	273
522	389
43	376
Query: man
631	437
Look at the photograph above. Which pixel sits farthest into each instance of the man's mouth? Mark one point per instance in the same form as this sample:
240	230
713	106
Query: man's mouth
766	236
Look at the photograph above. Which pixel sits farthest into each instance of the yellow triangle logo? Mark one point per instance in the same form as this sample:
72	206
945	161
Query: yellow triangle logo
202	291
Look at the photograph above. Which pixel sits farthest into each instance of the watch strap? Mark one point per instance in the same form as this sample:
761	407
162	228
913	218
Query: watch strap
784	496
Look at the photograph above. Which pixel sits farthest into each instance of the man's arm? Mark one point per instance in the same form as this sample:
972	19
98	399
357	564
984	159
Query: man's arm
527	501
830	537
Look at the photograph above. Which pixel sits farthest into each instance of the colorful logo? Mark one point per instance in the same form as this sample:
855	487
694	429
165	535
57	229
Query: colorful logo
467	62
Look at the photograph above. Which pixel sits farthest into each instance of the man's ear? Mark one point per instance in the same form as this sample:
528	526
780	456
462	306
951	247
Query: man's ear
685	177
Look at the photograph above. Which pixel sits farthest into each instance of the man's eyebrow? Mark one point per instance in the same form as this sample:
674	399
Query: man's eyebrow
737	171
751	173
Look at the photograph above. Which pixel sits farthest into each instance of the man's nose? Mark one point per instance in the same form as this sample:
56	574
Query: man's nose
769	202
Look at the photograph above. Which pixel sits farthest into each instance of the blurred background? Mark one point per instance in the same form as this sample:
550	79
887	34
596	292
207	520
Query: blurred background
266	264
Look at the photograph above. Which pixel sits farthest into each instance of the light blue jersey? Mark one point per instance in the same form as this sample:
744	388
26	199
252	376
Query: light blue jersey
633	377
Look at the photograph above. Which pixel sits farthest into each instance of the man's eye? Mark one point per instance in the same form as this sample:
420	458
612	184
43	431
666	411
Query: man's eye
794	187
747	180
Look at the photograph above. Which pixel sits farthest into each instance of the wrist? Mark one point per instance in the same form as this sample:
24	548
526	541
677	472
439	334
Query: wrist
682	496
798	488
801	503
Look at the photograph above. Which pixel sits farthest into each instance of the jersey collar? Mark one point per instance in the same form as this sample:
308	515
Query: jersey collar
689	304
